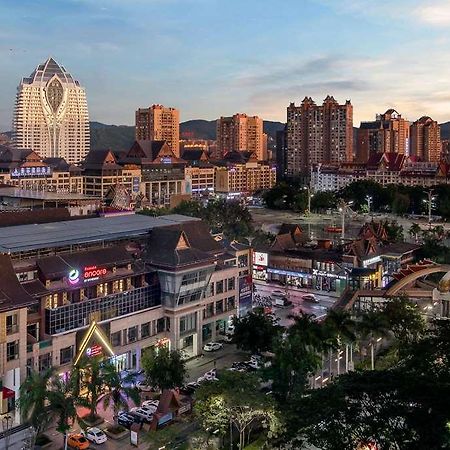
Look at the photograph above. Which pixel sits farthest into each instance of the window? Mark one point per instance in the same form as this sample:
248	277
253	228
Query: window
66	355
12	324
188	323
208	311
115	339
210	291
132	334
230	303
12	350
188	298
45	362
219	307
161	325
194	277
219	287
145	330
231	284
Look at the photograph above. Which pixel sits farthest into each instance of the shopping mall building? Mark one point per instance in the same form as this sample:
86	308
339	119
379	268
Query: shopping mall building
143	281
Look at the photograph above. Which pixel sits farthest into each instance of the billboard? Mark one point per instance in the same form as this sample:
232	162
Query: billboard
245	295
260	259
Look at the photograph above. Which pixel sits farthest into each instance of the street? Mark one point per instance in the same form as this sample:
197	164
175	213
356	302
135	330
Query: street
325	301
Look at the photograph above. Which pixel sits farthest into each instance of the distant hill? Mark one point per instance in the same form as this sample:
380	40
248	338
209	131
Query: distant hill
445	130
120	137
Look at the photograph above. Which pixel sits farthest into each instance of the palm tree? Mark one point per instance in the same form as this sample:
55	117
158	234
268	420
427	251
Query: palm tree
87	376
373	325
117	393
311	333
414	230
62	402
341	328
32	400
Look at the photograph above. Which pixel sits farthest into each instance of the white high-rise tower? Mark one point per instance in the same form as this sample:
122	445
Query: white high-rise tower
51	115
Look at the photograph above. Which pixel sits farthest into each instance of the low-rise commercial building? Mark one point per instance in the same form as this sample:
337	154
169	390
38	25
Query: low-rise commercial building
144	281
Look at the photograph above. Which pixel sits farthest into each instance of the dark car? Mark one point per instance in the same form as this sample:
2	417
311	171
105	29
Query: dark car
126	420
189	388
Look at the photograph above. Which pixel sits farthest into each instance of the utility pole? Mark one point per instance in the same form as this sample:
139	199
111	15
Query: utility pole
430	205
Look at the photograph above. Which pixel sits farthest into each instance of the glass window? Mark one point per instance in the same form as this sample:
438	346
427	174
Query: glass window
188	323
230	303
132	334
66	355
45	362
116	339
12	350
145	330
219	307
12	324
219	287
231	283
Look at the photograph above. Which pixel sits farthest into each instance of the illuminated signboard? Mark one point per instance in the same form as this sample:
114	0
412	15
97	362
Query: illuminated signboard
371	261
92	273
74	276
31	172
94	350
260	259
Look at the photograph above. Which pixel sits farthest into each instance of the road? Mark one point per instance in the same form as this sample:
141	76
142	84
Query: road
325	301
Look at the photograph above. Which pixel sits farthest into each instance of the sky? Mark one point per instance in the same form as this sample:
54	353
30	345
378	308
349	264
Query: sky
210	58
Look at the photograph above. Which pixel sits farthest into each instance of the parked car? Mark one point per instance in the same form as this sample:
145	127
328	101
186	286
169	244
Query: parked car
228	338
145	387
281	302
144	413
95	435
150	403
189	388
212	346
211	375
239	367
77	441
125	419
310	298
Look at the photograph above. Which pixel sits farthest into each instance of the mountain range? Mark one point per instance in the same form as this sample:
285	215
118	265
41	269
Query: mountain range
120	137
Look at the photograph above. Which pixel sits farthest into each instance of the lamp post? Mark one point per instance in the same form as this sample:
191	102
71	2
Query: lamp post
429	200
310	196
369	203
343	209
7	422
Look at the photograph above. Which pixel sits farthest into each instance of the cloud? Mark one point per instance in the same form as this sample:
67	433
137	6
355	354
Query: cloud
435	13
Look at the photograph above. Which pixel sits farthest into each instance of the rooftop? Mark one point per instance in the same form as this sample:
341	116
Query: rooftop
42	195
57	234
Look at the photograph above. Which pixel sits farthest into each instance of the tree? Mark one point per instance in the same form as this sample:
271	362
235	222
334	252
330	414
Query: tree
400	204
255	332
88	373
323	200
62	400
164	368
414	230
116	393
404	320
32	400
394	231
235	400
192	208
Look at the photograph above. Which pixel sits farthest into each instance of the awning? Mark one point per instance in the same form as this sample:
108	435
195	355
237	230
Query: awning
7	393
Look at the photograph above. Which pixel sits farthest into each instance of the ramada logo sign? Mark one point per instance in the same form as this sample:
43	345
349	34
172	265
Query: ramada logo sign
74	276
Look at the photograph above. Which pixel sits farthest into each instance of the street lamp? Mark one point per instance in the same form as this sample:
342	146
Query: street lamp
310	196
429	200
7	422
343	209
369	202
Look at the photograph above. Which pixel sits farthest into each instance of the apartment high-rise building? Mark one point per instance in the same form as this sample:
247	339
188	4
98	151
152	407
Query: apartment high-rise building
51	114
241	133
158	123
426	139
318	134
389	133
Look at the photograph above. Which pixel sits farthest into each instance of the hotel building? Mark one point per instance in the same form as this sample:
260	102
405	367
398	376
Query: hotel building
144	281
51	115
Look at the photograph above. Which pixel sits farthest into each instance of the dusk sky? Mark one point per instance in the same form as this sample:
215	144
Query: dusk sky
217	57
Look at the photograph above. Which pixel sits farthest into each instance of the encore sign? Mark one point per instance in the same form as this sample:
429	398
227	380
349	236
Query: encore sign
92	273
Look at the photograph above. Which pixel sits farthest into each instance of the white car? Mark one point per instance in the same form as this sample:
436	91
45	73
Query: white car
310	298
211	375
143	413
95	435
150	405
212	346
144	387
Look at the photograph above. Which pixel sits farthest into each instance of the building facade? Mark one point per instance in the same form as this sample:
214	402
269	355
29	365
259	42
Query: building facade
318	134
426	139
240	173
241	133
51	114
389	133
159	123
143	281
